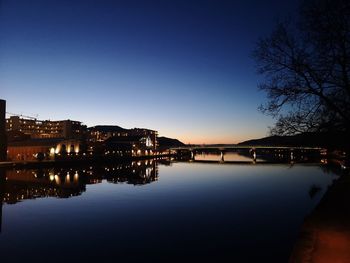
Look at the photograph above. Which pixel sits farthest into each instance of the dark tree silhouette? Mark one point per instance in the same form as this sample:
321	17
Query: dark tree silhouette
306	65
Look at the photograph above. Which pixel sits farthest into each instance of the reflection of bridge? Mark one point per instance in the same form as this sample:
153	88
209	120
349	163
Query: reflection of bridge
253	150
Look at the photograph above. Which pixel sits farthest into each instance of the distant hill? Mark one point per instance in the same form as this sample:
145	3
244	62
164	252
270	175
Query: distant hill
107	128
165	142
333	140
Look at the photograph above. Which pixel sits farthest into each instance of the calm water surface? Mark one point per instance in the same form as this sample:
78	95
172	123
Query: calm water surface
151	212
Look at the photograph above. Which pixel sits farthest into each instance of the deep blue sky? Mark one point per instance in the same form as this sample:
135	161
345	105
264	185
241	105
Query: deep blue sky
183	68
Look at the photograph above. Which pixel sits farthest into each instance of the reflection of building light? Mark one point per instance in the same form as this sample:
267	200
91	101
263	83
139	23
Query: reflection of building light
52	151
57	179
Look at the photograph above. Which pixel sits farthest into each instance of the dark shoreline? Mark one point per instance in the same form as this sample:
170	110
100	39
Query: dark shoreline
325	234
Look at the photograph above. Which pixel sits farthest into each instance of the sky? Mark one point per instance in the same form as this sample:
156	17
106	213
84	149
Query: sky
183	68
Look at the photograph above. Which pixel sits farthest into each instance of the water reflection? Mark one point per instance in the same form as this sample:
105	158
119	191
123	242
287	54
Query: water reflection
196	212
260	155
67	182
314	190
242	156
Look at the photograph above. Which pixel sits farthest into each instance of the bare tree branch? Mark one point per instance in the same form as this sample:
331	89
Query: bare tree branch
307	69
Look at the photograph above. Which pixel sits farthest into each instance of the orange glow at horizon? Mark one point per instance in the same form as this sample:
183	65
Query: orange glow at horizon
215	139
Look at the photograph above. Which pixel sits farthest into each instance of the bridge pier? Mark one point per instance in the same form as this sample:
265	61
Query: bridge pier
279	152
253	153
222	159
193	156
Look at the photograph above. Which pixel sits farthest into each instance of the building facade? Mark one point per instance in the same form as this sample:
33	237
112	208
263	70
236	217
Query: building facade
67	129
44	148
32	139
100	133
149	138
146	138
3	139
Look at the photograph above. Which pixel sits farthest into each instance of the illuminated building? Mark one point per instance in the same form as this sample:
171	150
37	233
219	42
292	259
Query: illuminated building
129	146
145	139
3	140
101	133
31	139
67	129
47	148
149	138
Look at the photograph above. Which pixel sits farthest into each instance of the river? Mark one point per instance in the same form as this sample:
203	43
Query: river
157	211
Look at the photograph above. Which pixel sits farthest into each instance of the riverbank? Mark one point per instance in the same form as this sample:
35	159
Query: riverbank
325	233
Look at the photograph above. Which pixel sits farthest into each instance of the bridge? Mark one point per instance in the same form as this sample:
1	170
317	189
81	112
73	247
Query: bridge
292	151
